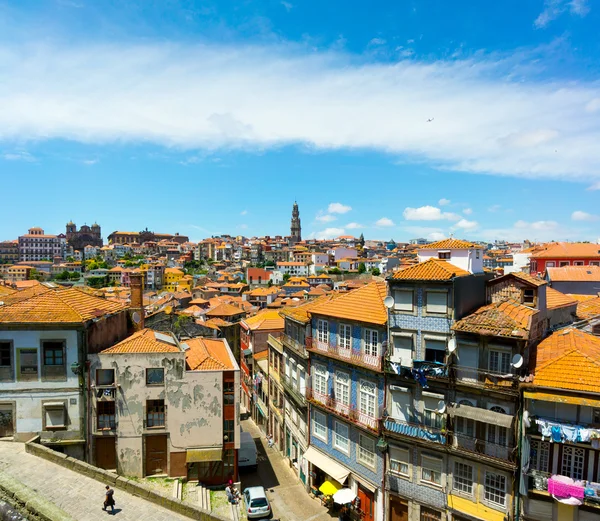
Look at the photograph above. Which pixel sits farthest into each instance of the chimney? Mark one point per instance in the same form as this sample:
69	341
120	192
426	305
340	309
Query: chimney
136	307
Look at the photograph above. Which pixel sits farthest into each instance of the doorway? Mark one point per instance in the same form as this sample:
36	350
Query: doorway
156	454
106	452
367	503
398	509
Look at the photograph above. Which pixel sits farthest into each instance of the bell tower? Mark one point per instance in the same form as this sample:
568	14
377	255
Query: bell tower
296	229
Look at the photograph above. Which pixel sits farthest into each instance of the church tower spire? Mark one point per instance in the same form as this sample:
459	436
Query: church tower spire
296	229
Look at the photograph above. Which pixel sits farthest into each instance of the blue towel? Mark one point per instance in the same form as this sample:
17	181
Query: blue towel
557	434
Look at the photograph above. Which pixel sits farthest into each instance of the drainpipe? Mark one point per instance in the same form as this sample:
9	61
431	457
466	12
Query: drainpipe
88	408
516	492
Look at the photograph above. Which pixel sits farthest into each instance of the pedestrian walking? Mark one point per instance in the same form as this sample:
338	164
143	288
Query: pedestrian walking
109	499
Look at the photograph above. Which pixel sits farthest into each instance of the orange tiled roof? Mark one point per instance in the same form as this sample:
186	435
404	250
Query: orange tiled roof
432	269
265	320
217	322
301	313
206	354
581	298
145	341
588	308
449	244
67	306
525	277
5	290
262	355
224	310
363	305
27	293
506	318
556	299
568	359
568	250
574	273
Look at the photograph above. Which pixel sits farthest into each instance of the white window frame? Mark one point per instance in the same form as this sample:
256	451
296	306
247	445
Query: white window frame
365	455
463	478
491	489
371	342
342	387
403	306
465	426
432	469
435	309
345	336
573	462
400	462
367	403
323	331
316	424
550	264
503	361
495	433
539	455
337	437
320	379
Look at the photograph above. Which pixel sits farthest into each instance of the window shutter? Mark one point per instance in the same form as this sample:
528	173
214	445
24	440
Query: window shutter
402	353
437	302
403	300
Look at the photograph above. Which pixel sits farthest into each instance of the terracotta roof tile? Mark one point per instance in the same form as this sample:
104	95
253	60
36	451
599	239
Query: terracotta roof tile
526	277
265	320
5	290
432	269
362	305
26	293
145	341
224	310
556	299
301	313
206	354
568	359
568	250
450	244
574	273
506	318
589	308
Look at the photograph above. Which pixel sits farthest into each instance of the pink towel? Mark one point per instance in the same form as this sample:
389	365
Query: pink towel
560	489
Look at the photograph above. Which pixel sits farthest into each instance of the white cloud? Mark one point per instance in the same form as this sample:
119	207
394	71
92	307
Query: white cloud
444	202
338	208
377	41
428	213
467	225
467	211
593	105
595	186
537	225
435	236
578	215
354	226
329	233
325	217
288	6
554	8
90	162
207	97
243	212
243	226
384	222
18	155
495	208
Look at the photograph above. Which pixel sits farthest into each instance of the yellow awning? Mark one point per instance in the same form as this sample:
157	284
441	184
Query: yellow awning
201	455
328	488
561	398
327	464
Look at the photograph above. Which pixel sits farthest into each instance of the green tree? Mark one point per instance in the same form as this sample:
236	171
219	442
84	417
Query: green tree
270	263
334	271
70	259
286	277
73	275
362	268
62	276
96	282
376	272
361	240
35	275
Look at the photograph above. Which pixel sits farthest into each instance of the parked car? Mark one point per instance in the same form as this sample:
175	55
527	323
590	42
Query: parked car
247	452
257	504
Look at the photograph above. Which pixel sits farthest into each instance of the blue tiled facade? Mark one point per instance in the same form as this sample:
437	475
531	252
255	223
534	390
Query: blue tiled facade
357	332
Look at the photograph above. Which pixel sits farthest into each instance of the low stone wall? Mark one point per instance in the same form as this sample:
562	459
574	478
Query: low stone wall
109	478
29	501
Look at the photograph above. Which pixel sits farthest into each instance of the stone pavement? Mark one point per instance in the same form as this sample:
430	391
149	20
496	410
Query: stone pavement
79	496
288	497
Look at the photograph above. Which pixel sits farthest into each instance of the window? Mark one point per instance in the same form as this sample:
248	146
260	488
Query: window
228	393
371	342
320	380
477	254
539	455
365	451
345	336
323	331
105	376
431	470
28	364
463	478
403	300
529	297
436	302
342	388
368	398
445	255
155	413
155	376
431	417
578	263
6	360
594	263
495	488
563	263
500	362
549	264
228	429
55	417
435	350
403	350
427	514
465	426
319	424
399	462
341	438
572	462
496	434
596	416
106	416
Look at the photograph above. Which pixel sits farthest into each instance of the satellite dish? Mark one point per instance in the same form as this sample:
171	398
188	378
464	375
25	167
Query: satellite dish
441	407
388	302
169	310
452	345
136	318
517	361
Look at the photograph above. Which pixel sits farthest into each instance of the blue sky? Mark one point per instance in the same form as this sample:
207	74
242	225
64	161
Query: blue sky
212	117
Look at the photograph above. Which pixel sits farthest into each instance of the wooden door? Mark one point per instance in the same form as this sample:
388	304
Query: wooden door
7	427
398	509
367	503
106	452
156	455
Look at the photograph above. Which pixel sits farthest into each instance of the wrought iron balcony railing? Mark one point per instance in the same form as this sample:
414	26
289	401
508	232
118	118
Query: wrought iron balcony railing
351	356
347	411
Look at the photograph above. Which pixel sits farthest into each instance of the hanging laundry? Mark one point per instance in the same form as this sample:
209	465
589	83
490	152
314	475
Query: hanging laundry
570	432
544	428
557	435
584	435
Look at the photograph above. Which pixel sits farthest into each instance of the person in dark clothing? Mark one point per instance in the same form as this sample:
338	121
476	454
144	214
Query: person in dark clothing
109	499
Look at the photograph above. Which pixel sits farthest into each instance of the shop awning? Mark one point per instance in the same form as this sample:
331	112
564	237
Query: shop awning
202	455
561	398
481	415
326	464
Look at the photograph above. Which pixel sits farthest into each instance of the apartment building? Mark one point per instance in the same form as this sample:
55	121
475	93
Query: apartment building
35	245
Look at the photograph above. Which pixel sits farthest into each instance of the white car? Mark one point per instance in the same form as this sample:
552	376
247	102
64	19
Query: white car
257	504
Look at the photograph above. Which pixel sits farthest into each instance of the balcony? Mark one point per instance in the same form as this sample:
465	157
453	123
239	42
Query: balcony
348	412
538	484
105	393
295	345
415	430
275	343
350	356
484	449
484	378
293	391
